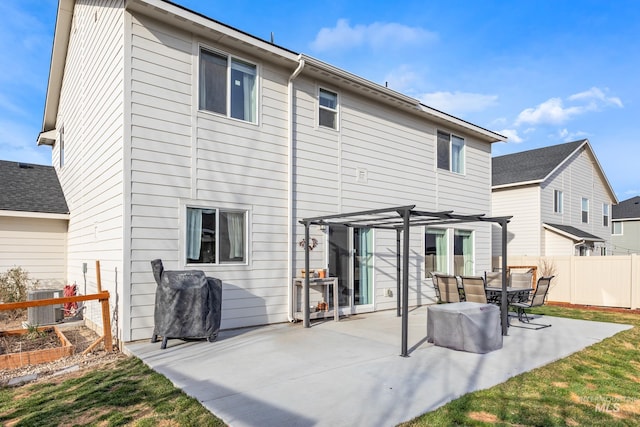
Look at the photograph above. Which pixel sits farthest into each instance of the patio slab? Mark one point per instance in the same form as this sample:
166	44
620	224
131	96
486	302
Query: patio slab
349	372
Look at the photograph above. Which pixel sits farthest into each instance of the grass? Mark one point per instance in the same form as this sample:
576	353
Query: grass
124	393
598	386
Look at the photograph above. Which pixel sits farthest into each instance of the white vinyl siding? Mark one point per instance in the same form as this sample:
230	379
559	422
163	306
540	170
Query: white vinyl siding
92	177
37	245
525	228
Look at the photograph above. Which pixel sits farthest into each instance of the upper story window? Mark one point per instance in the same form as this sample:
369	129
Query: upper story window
328	109
585	210
228	86
450	152
557	201
605	215
216	236
616	228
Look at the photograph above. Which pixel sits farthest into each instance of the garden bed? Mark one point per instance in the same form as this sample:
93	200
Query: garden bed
22	347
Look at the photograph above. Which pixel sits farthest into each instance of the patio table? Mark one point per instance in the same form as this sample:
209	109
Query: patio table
494	294
467	326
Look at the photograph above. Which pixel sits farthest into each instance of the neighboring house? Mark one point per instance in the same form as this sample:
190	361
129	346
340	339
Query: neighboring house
33	222
560	200
625	232
177	137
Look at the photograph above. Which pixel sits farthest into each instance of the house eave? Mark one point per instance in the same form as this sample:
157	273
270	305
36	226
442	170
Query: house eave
30	214
571	236
515	184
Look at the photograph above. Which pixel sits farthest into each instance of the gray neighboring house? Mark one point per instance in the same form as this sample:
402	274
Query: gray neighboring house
625	235
560	199
33	222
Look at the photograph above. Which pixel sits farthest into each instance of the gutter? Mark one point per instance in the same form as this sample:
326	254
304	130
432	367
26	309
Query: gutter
290	220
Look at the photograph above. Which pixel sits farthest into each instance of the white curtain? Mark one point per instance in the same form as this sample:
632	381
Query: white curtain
194	232
249	97
366	265
235	227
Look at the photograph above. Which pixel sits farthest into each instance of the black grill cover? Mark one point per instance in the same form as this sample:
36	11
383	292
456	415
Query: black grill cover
188	304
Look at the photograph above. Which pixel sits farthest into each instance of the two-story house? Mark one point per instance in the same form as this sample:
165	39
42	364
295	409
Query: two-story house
625	231
178	137
560	199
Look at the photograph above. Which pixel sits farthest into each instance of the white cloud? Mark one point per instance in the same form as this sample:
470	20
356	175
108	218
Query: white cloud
554	111
567	136
403	79
512	134
596	94
459	102
376	35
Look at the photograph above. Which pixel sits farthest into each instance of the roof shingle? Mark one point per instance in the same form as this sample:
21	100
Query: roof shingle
30	188
531	165
629	208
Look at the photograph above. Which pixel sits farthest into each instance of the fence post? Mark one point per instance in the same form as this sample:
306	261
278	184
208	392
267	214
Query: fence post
635	281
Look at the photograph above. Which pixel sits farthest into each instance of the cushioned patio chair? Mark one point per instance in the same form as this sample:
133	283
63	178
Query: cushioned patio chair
537	299
521	280
434	279
448	287
474	289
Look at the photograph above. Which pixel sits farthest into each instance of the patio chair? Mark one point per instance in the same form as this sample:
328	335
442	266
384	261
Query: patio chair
521	280
434	279
448	287
493	279
537	299
474	289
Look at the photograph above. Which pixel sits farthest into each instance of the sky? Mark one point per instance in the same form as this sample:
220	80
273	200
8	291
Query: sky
539	72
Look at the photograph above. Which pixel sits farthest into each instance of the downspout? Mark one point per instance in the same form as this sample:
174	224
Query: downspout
290	219
575	245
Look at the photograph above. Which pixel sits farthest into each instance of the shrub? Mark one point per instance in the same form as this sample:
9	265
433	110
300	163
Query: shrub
14	284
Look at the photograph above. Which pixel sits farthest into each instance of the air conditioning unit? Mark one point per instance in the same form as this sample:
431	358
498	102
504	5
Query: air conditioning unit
48	314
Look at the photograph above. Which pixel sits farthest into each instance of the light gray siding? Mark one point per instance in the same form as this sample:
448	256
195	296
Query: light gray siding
629	241
578	177
91	114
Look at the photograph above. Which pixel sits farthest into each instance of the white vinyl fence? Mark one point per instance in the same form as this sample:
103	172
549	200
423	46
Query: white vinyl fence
606	281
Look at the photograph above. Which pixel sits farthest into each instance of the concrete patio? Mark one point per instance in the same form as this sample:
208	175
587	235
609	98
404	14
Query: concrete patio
350	373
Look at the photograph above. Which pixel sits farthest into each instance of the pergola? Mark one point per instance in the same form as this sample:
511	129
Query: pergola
401	219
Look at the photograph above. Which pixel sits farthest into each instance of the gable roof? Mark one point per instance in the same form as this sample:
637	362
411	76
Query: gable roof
176	15
30	188
627	209
532	166
572	232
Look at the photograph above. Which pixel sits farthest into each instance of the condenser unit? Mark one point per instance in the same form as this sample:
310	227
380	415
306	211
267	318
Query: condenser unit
47	314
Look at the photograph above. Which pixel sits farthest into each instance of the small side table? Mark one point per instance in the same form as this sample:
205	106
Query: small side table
326	282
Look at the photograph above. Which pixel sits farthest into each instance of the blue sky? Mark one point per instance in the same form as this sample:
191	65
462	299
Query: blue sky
539	72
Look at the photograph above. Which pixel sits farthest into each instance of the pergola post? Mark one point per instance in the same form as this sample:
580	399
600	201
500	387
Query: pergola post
398	270
504	304
405	284
305	309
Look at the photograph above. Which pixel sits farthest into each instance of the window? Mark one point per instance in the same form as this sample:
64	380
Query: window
557	201
328	109
605	215
215	236
617	228
450	152
585	210
435	251
462	253
228	86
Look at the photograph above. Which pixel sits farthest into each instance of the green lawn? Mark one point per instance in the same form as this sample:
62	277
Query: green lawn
597	386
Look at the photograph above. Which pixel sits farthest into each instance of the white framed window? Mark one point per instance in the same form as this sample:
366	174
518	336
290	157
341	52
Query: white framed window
450	149
436	251
216	236
228	86
616	228
463	253
585	210
557	201
605	215
327	109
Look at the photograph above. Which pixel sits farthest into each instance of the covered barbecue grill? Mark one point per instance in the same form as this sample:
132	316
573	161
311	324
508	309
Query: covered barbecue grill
188	304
